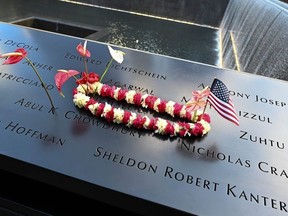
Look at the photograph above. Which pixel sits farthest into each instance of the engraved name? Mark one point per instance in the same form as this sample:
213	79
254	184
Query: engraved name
72	115
272	169
263	200
118	67
21	45
132	87
244	135
80	58
259	99
35	134
270	101
138	72
168	172
215	155
255	117
179	176
40	65
23	80
28	104
126	161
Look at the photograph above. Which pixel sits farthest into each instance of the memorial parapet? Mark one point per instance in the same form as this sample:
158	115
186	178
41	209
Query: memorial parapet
233	170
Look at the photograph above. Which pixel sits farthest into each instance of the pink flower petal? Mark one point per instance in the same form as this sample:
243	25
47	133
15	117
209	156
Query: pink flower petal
14	57
62	76
82	50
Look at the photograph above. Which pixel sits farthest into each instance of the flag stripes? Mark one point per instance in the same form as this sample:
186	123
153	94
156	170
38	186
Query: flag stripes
220	100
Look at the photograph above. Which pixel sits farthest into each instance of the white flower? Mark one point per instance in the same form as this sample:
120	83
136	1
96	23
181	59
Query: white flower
130	96
99	87
147	122
116	92
131	119
156	103
170	108
161	125
90	89
176	128
80	99
198	112
117	55
93	108
94	86
206	125
82	88
118	115
143	98
106	109
183	112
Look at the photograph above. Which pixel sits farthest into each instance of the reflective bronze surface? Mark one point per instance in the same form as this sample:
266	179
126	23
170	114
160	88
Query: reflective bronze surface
231	171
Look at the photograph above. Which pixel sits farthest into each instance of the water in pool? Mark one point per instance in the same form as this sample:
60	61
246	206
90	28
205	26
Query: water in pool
181	40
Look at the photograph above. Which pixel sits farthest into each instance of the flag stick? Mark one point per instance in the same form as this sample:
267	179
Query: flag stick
205	106
207	99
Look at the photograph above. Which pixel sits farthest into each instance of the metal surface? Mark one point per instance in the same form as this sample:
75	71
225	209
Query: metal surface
224	173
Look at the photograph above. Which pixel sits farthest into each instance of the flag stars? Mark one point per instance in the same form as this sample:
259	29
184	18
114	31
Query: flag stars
221	91
219	99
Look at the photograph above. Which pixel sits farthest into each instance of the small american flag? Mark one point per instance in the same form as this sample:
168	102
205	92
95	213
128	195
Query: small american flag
220	100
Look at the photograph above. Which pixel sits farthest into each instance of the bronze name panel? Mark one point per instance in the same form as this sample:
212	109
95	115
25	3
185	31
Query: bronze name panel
233	170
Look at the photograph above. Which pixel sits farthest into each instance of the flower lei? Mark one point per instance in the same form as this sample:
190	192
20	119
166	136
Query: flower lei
196	123
161	126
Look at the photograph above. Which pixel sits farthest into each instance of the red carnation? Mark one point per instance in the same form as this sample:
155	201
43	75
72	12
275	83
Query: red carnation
188	115
88	78
74	91
110	115
155	127
100	109
126	117
122	94
177	109
112	91
83	79
139	121
137	99
198	129
109	91
105	90
151	124
93	77
150	100
162	106
169	129
185	128
205	117
182	133
90	102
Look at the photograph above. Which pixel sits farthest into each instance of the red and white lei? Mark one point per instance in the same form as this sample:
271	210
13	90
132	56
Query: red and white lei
194	125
